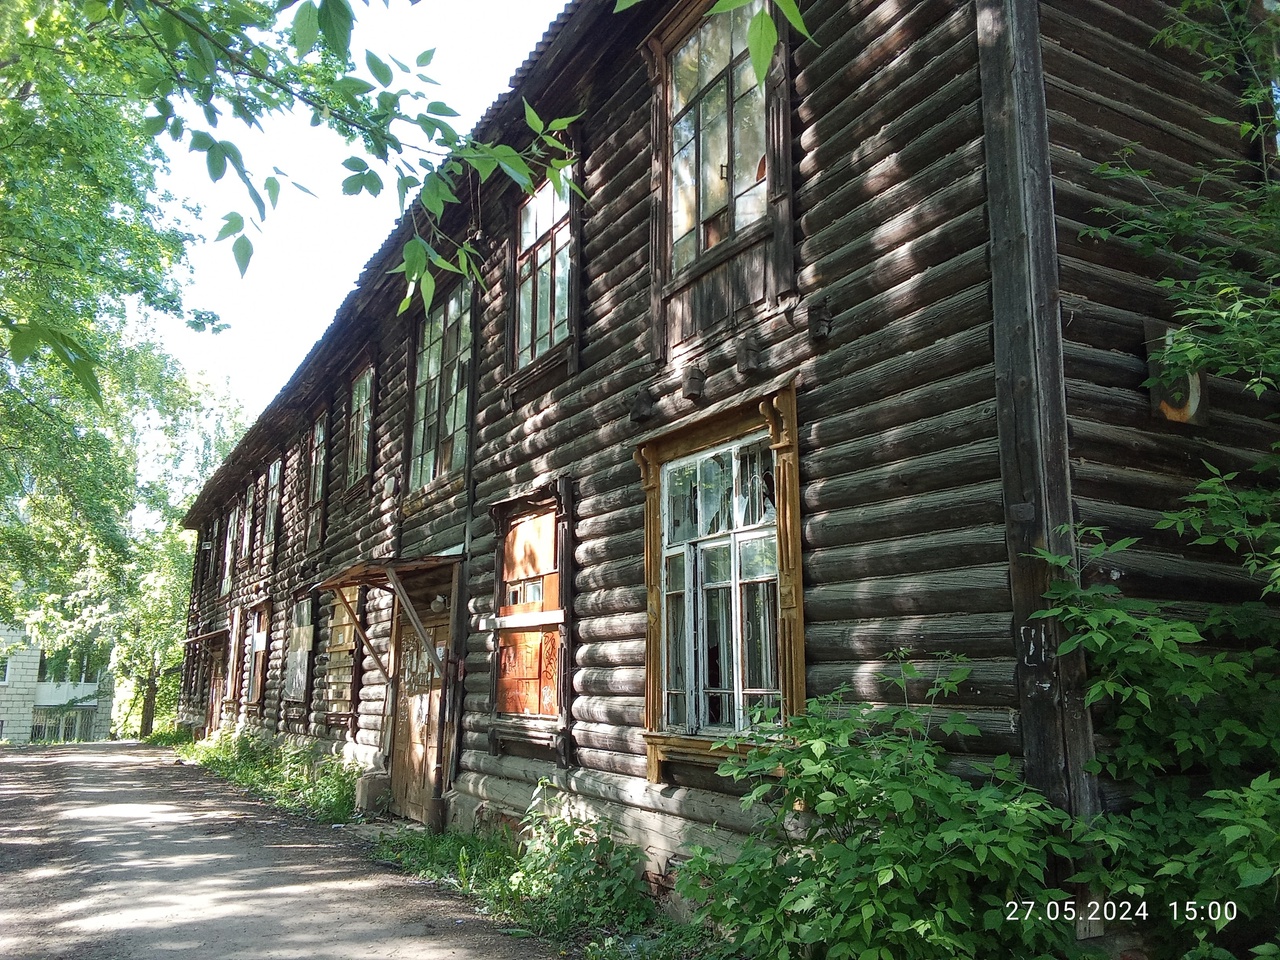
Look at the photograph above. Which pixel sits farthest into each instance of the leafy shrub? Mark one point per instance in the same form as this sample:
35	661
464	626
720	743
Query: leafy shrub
1191	710
891	855
170	737
292	778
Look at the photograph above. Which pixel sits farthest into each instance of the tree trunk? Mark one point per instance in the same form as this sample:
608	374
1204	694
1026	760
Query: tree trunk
149	703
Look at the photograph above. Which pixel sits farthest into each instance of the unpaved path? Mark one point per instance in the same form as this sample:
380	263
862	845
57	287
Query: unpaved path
116	852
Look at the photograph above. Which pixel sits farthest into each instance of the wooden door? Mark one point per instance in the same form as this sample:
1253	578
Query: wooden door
216	679
418	753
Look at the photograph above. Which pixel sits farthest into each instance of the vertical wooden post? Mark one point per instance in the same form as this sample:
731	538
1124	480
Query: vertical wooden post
1031	395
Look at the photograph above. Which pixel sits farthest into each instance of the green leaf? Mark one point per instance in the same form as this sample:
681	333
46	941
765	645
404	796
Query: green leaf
272	186
153	126
381	72
1252	876
762	39
216	160
353	184
441	109
242	250
355	163
353	87
201	141
621	5
532	119
306	28
232	224
425	58
724	6
792	12
96	11
1233	833
336	20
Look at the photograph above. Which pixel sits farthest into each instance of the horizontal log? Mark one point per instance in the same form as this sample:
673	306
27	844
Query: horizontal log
606	736
616	628
989	683
943	509
618	711
974	589
627	653
977	636
936	550
609	681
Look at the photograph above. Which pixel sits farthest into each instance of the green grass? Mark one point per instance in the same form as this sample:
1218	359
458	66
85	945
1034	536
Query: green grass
170	737
322	787
563	881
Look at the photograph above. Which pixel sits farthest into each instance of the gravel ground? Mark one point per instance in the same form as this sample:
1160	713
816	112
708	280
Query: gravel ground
116	851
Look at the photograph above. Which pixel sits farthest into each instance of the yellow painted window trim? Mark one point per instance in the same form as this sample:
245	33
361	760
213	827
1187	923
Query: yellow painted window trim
774	411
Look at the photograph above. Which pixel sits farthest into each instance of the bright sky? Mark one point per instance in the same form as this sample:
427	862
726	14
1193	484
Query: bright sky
311	250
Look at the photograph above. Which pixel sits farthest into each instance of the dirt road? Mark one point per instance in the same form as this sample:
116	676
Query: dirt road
116	852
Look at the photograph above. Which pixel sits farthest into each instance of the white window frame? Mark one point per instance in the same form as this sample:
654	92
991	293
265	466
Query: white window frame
360	425
698	689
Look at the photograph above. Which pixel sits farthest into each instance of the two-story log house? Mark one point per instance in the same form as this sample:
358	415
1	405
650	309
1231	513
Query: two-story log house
797	383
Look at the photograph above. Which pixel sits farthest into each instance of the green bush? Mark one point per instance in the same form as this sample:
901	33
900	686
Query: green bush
323	787
169	737
873	849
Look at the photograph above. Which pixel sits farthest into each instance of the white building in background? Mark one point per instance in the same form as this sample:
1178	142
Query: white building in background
43	704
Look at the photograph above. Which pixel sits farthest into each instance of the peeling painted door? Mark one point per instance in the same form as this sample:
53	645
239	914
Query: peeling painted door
416	757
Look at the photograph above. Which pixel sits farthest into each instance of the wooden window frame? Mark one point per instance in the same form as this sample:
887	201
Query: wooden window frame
434	400
339	619
360	441
564	351
294	665
317	476
234	679
259	651
229	548
775	414
244	554
775	229
555	499
271	506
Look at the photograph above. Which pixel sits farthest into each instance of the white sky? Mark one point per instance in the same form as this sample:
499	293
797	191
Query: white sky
311	250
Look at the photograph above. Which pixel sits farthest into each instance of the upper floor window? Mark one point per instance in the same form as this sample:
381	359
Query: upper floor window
717	137
246	533
315	484
259	642
229	548
543	272
441	383
722	211
297	664
271	508
360	425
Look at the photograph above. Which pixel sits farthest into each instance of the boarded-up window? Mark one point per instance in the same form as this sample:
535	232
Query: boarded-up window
529	618
234	657
229	549
297	666
259	631
340	672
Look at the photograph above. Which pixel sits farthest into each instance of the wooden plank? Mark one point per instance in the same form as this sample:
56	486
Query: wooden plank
1031	397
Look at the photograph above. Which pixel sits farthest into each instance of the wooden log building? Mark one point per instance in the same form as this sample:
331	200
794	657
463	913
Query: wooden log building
798	382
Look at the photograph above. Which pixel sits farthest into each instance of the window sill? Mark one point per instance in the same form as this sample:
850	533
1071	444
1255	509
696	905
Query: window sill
449	484
661	747
556	363
547	732
352	492
722	253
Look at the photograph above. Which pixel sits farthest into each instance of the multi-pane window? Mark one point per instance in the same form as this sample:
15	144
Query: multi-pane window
360	423
340	676
297	665
717	111
440	390
271	508
259	630
719	587
246	533
529	618
229	549
543	272
315	485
